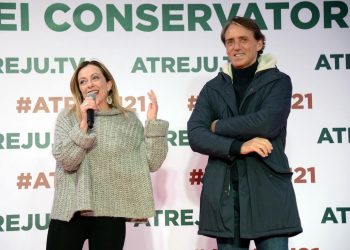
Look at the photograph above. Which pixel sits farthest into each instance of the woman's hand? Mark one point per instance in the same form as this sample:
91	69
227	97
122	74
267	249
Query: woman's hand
88	103
153	106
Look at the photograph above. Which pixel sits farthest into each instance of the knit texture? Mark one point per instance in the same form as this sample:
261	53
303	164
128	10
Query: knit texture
107	170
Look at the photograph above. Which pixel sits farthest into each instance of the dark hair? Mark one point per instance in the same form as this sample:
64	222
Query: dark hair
247	23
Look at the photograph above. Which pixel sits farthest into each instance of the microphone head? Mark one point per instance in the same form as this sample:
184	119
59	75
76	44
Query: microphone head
92	95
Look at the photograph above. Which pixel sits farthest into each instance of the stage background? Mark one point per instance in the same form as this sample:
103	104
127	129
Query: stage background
174	48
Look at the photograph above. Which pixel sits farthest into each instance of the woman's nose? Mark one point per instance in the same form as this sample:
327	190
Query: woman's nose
90	83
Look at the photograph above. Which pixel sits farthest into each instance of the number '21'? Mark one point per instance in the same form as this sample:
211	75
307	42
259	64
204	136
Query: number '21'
300	100
302	175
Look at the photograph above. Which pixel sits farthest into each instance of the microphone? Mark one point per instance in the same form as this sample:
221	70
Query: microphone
90	112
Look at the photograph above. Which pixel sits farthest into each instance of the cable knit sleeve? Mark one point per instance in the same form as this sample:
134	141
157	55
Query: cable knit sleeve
70	143
156	142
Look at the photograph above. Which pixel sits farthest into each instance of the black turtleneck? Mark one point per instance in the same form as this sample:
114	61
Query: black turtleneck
241	79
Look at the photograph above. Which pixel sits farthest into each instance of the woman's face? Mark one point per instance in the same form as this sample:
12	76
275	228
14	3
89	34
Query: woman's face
91	79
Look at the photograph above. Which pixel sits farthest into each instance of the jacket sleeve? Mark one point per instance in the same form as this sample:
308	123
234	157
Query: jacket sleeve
156	143
267	122
70	143
201	139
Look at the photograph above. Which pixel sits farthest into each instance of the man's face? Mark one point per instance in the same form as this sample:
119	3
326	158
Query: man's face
241	46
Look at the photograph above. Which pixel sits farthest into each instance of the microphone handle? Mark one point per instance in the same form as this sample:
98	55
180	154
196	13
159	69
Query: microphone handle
90	118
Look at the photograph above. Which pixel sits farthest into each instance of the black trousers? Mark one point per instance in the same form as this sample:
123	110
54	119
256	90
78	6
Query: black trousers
107	233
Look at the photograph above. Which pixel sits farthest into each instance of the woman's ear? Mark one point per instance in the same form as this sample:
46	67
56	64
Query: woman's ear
109	86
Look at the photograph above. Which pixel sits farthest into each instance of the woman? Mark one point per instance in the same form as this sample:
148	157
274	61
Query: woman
102	173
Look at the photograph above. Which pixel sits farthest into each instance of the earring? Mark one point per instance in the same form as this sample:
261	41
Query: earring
109	100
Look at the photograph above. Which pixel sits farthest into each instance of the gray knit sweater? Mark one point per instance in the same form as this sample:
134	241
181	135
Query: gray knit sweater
107	170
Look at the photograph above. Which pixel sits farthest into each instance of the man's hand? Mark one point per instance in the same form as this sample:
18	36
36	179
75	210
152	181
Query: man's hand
258	145
213	126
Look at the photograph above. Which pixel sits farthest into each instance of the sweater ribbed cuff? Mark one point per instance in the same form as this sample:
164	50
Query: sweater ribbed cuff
156	128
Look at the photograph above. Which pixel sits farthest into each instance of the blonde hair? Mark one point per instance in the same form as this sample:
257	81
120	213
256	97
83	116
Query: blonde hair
78	97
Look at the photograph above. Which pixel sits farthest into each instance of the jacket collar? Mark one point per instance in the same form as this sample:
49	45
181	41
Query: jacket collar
266	61
225	88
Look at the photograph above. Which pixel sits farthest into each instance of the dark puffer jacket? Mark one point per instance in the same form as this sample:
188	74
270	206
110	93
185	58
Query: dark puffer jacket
267	201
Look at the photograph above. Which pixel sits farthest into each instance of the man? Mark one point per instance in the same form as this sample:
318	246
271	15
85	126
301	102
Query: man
240	121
